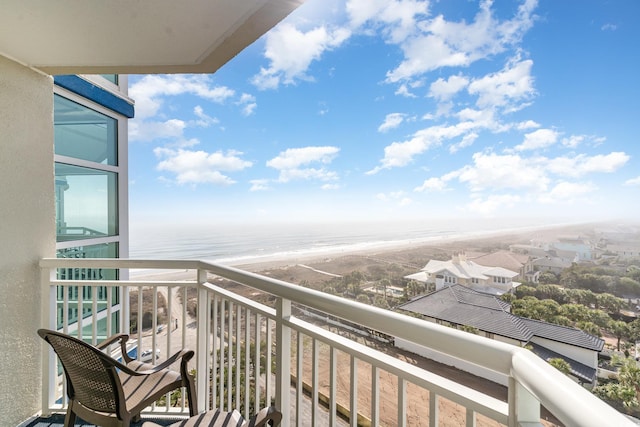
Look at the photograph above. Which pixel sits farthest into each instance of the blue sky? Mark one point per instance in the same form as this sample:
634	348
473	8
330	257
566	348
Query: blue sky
397	110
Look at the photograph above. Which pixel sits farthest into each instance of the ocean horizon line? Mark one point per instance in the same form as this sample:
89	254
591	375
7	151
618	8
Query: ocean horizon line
248	254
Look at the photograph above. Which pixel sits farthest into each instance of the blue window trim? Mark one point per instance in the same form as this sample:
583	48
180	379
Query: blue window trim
95	93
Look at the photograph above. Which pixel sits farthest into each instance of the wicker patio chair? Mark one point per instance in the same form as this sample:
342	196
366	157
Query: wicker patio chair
269	416
108	393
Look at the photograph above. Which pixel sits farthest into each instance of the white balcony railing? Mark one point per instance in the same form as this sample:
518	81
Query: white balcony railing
249	353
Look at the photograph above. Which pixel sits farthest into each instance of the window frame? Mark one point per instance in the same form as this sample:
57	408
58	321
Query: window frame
121	170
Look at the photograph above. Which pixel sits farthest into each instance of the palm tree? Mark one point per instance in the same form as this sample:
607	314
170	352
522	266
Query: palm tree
560	364
619	329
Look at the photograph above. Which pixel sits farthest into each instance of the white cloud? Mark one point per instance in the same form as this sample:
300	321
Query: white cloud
573	141
445	89
526	125
492	171
417	63
467	141
203	119
609	27
150	93
291	52
200	167
247	103
401	153
508	88
582	164
391	121
635	182
534	178
291	161
320	174
403	90
541	138
432	184
296	157
149	90
397	17
259	185
567	192
458	43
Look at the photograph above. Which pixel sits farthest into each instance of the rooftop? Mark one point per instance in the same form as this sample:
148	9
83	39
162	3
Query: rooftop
464	306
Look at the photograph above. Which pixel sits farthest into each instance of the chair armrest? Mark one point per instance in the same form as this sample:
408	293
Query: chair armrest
111	340
269	416
123	345
185	355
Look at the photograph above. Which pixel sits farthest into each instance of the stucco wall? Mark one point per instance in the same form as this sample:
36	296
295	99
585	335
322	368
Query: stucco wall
27	232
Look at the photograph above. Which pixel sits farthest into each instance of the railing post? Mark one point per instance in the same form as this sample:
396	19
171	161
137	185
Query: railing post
48	313
524	407
283	358
202	375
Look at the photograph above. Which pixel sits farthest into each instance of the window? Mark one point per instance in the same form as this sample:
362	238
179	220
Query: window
90	178
83	133
86	202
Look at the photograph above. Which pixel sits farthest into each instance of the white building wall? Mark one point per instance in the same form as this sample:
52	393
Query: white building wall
582	355
27	232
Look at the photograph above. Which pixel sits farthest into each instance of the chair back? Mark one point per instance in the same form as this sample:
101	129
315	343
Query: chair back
92	378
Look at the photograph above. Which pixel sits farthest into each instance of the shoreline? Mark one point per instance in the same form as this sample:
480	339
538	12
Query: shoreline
324	255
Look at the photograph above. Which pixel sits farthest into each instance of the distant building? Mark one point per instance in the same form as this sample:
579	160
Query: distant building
458	306
625	250
581	247
551	264
513	261
459	270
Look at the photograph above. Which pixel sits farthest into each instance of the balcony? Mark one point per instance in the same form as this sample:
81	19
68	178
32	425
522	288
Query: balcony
260	345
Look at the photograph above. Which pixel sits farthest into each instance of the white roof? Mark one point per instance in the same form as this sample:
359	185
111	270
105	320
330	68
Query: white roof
467	270
133	37
420	276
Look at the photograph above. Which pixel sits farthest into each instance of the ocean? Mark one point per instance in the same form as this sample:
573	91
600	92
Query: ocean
234	244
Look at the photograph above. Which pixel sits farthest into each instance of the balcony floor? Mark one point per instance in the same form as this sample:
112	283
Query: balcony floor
57	420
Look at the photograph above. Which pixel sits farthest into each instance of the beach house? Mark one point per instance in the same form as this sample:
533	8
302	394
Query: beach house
460	270
521	263
40	39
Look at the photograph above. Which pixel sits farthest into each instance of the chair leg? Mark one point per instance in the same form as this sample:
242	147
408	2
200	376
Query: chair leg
191	395
70	418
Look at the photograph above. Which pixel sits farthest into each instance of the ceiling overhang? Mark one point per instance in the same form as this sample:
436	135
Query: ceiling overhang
134	36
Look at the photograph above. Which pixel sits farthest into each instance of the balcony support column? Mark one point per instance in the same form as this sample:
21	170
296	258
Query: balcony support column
283	358
524	407
201	343
49	321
